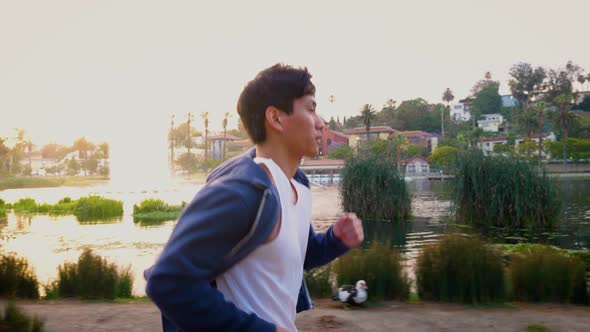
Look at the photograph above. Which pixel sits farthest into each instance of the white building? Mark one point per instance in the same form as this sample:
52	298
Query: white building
491	122
487	144
417	165
460	112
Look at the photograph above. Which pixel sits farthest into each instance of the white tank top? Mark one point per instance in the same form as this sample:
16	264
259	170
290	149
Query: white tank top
267	281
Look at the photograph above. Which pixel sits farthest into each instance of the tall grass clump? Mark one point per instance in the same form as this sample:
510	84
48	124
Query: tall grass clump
17	278
85	208
374	190
503	192
25	205
544	274
460	269
96	208
156	210
379	266
3	209
318	281
15	320
92	277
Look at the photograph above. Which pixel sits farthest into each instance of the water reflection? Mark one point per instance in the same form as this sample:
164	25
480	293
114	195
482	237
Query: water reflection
48	241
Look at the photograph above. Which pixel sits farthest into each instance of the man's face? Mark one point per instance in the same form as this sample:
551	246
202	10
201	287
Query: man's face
303	128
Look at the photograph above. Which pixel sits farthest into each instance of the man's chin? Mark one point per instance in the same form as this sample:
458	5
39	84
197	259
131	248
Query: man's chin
312	154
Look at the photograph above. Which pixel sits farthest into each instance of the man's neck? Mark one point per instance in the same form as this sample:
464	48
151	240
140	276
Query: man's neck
281	156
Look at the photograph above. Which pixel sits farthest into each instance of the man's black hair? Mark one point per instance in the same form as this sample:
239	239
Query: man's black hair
276	86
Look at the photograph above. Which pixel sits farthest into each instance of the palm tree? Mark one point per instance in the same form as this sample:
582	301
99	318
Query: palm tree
540	108
473	136
227	115
205	116
527	122
564	119
447	98
189	140
401	143
367	114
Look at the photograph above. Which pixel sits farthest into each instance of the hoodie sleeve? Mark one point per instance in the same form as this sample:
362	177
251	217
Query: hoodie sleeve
322	248
179	283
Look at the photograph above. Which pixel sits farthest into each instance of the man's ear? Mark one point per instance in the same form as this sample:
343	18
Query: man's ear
273	118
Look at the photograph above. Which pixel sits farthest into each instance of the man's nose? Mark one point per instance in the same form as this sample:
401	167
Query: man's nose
319	123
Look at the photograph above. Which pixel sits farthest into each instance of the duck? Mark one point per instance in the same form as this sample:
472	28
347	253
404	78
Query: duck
352	294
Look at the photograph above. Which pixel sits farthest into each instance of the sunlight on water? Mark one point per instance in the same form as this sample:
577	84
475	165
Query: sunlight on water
48	242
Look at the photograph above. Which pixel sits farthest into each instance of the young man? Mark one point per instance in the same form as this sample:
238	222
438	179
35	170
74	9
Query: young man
235	260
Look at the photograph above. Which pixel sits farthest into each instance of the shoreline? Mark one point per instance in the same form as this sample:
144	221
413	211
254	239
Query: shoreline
32	182
77	315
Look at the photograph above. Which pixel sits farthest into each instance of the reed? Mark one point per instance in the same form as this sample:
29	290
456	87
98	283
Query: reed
97	208
318	281
3	209
85	208
154	210
17	278
379	266
460	269
374	190
545	274
503	192
92	277
15	320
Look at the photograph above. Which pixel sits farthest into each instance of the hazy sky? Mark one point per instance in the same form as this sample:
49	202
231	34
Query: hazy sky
116	70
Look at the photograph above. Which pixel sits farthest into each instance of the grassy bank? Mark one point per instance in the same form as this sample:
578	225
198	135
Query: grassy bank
46	182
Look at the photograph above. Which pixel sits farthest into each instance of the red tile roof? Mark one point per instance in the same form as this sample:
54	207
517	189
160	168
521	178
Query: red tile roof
323	162
375	129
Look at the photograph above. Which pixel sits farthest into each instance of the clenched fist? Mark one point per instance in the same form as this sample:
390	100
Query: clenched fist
349	230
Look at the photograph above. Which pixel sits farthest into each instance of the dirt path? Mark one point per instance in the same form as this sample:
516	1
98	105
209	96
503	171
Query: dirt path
73	315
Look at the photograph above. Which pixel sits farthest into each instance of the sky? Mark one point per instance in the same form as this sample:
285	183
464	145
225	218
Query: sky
116	71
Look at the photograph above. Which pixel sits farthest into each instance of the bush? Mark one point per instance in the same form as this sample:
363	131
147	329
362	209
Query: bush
503	192
17	278
25	205
379	266
374	190
92	277
156	210
460	269
14	320
3	209
96	207
544	274
85	209
318	281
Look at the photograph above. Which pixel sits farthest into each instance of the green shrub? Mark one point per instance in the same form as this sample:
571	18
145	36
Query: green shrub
85	209
460	269
25	205
156	210
318	281
379	266
374	190
14	320
96	208
17	278
3	209
92	277
544	274
503	192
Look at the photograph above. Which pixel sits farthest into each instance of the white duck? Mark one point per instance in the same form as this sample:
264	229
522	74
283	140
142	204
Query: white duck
352	294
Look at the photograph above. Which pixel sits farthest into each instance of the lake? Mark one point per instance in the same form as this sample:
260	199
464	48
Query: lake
48	241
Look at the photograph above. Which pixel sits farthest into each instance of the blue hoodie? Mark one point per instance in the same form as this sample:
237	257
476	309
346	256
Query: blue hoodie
228	218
